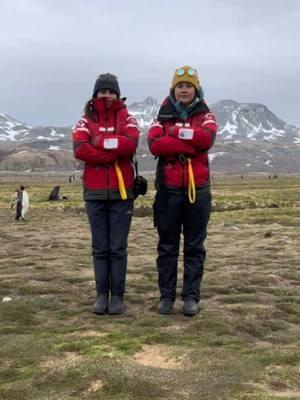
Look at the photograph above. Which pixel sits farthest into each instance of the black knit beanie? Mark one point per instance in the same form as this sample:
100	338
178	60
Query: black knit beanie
106	81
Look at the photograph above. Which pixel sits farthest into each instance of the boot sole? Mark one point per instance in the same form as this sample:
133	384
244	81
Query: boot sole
165	313
116	313
99	312
190	313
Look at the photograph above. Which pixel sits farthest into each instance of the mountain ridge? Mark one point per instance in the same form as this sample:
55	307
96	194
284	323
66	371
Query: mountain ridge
251	138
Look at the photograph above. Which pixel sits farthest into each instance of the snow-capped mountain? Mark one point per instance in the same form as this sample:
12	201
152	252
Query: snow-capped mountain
144	112
253	139
11	129
146	108
252	121
250	139
34	148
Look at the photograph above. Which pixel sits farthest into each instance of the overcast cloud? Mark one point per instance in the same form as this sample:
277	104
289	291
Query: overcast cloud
52	51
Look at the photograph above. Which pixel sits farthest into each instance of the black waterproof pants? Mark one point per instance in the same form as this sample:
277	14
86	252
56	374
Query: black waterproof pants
110	224
174	214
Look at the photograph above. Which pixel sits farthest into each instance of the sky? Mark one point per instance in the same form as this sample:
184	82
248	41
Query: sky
53	50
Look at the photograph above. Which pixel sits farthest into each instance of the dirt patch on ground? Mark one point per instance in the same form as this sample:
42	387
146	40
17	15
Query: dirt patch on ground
288	394
69	359
95	386
88	334
173	329
281	394
157	356
93	334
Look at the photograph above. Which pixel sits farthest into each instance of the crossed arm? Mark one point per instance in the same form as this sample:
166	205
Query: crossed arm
96	151
179	140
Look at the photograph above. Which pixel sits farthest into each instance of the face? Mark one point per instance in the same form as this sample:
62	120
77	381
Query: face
184	92
109	94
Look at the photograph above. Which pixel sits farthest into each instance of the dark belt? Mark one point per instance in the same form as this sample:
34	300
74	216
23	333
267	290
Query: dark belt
182	158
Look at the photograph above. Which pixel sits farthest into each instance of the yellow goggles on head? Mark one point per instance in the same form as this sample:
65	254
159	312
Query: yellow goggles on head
190	72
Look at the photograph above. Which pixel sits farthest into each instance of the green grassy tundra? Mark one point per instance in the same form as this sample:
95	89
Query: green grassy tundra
244	343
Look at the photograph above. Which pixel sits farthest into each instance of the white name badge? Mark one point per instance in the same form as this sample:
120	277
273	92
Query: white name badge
110	143
185	133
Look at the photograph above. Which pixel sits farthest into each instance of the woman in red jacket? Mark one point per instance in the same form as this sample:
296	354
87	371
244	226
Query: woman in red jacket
106	138
180	137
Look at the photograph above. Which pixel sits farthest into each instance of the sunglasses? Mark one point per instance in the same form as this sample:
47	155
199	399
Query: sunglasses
190	72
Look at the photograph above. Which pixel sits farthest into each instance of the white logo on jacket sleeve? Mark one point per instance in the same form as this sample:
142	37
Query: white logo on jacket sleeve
155	123
81	125
131	122
209	118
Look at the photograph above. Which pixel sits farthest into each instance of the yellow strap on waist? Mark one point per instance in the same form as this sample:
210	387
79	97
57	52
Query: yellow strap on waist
122	188
191	187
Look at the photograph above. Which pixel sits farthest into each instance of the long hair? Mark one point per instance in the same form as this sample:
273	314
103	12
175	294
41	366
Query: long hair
89	110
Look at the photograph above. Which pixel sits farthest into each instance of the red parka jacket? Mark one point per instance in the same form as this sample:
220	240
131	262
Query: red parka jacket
113	136
173	140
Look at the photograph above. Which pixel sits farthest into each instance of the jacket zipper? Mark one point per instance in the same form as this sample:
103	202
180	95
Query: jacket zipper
183	165
107	168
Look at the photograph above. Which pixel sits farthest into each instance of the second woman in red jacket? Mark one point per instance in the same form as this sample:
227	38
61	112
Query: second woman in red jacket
106	138
180	137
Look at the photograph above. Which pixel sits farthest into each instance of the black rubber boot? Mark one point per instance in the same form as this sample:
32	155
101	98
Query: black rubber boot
100	307
190	307
165	306
116	305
